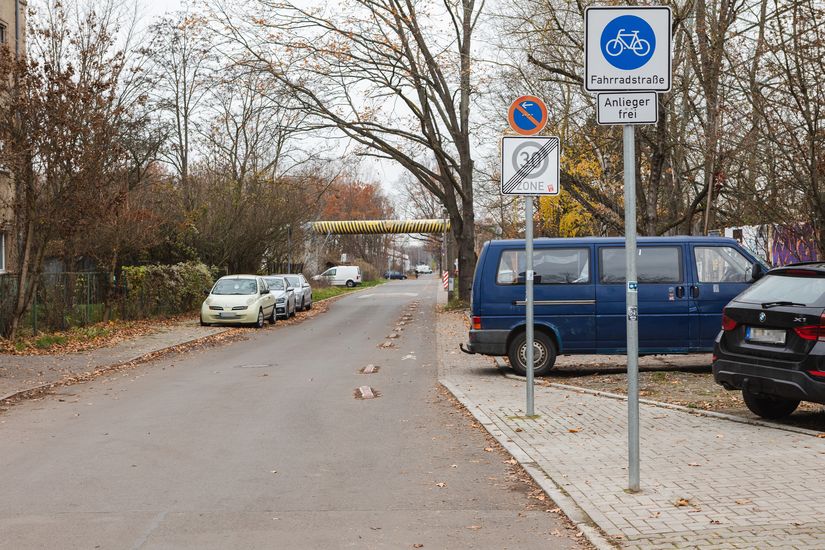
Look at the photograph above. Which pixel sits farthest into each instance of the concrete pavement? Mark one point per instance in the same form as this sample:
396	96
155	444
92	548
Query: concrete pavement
707	482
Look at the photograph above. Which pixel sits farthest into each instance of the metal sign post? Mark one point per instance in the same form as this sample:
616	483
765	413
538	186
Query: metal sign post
528	287
529	166
627	59
632	306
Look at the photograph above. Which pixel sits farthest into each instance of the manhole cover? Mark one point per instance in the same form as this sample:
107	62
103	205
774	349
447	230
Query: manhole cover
369	369
366	392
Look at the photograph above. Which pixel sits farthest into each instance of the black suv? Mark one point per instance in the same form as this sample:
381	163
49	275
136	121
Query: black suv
772	344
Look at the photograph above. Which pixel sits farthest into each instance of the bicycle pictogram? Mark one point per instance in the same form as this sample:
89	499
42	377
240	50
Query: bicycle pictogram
627	42
637	45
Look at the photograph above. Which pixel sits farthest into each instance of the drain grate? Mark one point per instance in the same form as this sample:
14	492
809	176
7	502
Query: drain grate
255	366
369	369
366	392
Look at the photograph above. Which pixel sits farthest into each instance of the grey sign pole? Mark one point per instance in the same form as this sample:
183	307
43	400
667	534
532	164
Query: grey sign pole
528	286
632	306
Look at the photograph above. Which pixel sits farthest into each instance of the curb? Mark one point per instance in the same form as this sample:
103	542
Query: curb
507	373
568	506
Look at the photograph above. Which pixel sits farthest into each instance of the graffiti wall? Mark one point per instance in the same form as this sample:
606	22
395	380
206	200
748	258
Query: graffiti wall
777	244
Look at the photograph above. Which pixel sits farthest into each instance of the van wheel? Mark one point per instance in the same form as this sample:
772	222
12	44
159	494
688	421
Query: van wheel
350	283
771	407
544	354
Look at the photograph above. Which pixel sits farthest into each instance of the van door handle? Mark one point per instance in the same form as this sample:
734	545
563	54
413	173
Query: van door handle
694	291
680	292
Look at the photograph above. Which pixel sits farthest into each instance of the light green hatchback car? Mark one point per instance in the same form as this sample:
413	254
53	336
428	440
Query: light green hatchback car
239	299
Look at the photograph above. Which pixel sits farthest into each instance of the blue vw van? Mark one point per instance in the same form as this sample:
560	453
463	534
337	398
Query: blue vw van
579	293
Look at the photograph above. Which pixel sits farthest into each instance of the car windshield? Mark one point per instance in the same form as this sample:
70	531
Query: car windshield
275	283
235	286
778	288
294	281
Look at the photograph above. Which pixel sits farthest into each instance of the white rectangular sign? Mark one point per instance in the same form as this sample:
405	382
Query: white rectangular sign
627	108
530	165
627	48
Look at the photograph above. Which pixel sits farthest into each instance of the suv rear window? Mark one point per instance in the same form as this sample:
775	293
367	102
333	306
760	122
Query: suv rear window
776	288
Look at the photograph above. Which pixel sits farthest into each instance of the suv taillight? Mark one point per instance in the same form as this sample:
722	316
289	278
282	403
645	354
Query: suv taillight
812	332
476	322
728	324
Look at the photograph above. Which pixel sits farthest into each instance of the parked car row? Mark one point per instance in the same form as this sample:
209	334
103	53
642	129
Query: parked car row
254	299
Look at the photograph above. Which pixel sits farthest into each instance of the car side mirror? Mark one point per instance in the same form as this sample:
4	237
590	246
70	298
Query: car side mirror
757	272
265	291
289	288
306	285
207	292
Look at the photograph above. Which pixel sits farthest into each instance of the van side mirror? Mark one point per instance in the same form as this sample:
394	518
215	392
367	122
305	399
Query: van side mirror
757	272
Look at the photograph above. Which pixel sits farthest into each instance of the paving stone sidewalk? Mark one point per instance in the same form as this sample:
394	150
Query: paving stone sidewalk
706	482
21	373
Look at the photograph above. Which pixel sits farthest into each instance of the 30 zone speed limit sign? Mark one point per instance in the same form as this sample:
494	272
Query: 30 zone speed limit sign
530	165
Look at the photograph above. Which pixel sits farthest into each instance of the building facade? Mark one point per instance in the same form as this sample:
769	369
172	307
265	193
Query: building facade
12	36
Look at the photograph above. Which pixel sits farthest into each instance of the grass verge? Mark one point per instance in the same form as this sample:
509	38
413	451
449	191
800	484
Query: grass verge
319	294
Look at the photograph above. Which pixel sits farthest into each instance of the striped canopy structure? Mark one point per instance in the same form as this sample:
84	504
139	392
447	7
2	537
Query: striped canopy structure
374	227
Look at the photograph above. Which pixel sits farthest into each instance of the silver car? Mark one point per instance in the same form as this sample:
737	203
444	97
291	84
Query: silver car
303	290
284	296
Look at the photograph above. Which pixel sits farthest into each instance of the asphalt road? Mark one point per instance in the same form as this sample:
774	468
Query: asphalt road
263	444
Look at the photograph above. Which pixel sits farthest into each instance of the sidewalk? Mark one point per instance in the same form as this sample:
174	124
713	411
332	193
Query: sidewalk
706	482
22	373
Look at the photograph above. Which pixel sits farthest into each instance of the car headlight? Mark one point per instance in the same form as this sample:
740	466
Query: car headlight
281	300
216	308
239	308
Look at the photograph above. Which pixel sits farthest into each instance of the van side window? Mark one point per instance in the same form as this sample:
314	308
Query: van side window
654	264
551	265
721	264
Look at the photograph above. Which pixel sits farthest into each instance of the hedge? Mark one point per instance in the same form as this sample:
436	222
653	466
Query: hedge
164	289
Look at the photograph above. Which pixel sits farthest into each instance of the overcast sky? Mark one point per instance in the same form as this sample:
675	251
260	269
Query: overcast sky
384	172
159	7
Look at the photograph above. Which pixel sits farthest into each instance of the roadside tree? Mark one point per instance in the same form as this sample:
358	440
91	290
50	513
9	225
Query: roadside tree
396	78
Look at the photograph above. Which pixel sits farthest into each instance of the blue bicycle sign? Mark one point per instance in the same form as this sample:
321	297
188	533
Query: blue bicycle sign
628	42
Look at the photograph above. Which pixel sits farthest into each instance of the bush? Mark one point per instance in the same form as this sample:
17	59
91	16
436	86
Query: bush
164	289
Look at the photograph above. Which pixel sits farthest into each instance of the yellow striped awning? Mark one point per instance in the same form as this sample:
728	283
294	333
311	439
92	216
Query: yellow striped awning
375	227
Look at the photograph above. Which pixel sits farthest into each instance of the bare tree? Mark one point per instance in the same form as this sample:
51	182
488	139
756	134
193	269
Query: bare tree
179	51
395	76
60	139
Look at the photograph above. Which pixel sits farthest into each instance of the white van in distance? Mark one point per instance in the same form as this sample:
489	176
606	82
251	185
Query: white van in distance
341	275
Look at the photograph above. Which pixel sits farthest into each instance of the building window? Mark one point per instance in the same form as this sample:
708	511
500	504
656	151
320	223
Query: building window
3	34
2	252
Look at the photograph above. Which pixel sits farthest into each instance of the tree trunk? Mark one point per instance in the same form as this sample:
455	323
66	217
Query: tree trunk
22	281
464	232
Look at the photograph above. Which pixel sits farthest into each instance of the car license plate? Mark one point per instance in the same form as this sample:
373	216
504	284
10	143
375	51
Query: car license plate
227	315
765	335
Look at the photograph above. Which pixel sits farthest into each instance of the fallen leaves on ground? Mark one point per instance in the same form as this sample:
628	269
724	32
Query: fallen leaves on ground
574	430
682	502
80	339
440	484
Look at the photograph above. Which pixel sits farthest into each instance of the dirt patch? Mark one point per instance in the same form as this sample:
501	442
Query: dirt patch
689	385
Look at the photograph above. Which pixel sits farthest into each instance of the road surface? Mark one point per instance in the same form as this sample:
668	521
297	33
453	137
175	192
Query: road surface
263	444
